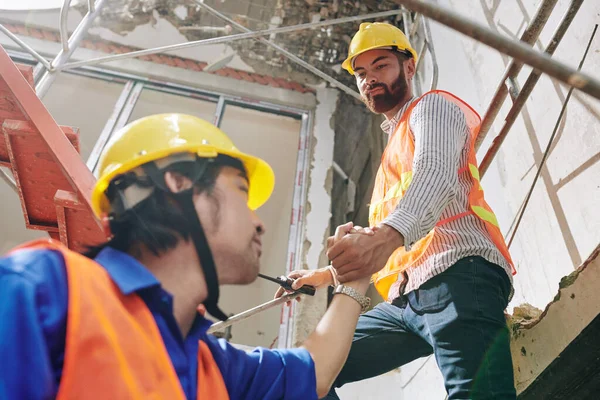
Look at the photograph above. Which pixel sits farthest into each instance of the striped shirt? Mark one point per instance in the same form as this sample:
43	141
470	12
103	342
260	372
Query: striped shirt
437	192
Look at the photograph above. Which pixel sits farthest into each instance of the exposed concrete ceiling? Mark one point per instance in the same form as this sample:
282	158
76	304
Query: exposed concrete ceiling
324	48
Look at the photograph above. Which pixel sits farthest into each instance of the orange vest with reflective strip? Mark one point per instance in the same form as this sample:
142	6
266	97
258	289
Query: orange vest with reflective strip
393	179
113	348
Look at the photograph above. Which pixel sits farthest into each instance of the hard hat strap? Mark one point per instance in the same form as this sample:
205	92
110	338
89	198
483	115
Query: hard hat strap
186	202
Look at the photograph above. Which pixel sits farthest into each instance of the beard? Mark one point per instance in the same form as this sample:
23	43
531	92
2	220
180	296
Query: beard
391	96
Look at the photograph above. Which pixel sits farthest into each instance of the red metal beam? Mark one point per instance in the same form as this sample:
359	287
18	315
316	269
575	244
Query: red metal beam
75	170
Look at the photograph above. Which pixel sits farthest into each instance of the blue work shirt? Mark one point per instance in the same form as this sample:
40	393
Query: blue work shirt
33	319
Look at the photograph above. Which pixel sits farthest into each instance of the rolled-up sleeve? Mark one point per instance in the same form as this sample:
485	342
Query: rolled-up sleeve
440	131
265	374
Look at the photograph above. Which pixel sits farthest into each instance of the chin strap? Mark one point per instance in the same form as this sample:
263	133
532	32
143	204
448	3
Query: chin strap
186	202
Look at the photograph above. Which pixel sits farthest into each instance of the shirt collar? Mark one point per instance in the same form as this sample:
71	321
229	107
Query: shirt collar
127	272
389	125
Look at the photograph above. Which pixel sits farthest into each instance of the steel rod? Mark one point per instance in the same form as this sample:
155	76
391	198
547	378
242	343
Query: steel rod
226	39
9	181
109	126
251	312
340	171
549	146
25	47
431	50
64	34
286	53
529	36
219	112
528	87
505	45
63	56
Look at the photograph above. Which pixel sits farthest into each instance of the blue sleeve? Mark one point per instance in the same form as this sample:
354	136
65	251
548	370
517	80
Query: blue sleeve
33	312
265	374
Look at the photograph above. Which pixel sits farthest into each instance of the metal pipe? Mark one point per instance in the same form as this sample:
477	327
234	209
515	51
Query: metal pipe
9	181
64	34
286	53
219	112
109	126
119	117
340	171
25	46
505	45
226	39
528	87
408	25
91	5
415	25
63	56
549	146
251	312
529	36
431	50
420	59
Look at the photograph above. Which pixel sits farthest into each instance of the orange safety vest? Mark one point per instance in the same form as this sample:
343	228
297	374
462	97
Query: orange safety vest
113	348
393	179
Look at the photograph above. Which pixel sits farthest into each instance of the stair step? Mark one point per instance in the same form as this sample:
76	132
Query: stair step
77	226
37	174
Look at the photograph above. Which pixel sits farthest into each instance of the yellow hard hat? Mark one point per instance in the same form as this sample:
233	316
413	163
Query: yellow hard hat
159	136
376	35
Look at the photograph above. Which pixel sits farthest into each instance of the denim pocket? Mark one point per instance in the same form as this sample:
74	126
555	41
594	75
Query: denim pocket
430	298
435	294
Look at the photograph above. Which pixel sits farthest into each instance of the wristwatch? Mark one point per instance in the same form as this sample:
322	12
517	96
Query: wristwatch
364	301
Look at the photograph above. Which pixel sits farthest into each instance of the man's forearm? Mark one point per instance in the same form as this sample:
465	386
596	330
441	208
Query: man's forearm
330	343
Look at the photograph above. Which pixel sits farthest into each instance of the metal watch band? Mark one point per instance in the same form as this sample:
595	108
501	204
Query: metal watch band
364	301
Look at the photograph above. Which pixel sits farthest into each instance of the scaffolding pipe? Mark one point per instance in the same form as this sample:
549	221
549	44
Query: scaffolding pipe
529	36
64	34
226	39
505	45
63	56
528	87
549	146
286	53
25	46
431	50
219	326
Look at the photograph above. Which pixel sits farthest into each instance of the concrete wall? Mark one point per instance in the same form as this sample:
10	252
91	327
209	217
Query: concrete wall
561	226
86	103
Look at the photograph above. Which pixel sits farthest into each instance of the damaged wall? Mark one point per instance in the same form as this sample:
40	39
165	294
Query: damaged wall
359	143
318	215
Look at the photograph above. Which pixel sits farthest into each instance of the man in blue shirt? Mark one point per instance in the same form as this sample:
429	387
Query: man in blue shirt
179	198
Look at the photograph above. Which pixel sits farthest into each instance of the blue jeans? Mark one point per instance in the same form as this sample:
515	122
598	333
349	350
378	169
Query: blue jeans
458	316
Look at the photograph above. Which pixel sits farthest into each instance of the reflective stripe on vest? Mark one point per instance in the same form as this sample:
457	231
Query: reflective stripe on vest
393	179
113	347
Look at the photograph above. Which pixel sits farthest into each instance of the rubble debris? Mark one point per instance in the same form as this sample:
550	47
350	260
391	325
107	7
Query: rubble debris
325	47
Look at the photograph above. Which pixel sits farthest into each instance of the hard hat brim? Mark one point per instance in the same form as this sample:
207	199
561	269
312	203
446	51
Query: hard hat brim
347	64
261	177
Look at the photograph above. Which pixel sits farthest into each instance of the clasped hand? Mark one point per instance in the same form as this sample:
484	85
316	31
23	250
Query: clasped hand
355	253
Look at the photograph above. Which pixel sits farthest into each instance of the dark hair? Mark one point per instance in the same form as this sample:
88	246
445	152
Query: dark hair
157	222
402	55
